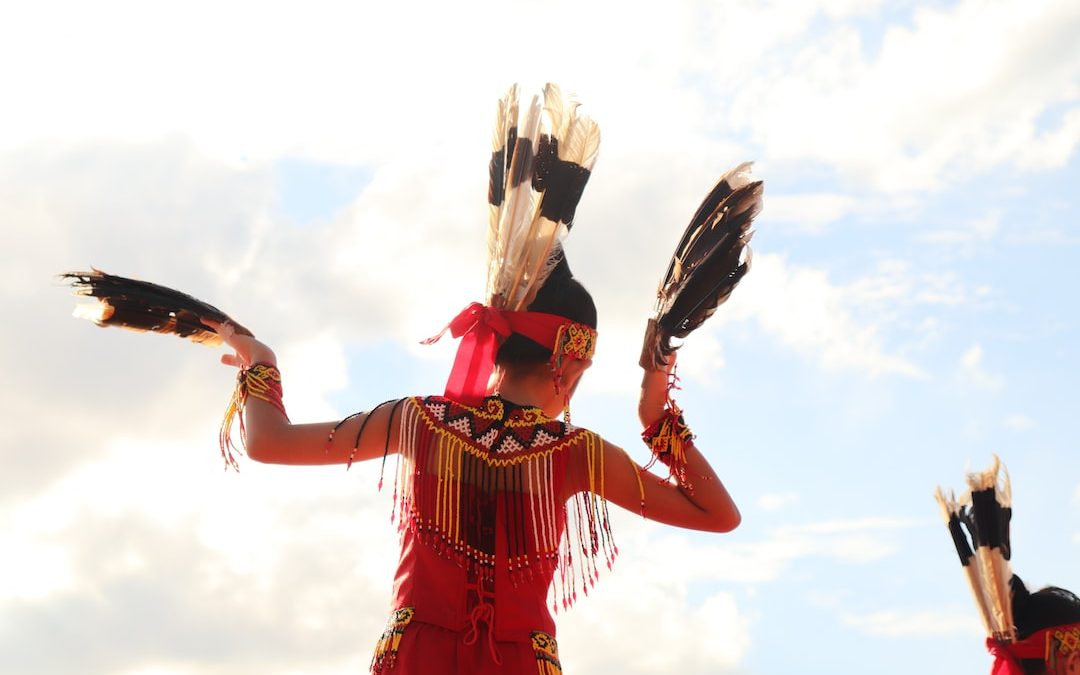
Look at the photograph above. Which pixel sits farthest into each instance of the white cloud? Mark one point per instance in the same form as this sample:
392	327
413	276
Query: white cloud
316	367
960	89
637	625
809	213
1018	422
803	309
979	229
777	501
270	562
915	624
871	523
972	370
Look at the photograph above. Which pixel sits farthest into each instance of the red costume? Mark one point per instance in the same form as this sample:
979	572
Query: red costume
481	504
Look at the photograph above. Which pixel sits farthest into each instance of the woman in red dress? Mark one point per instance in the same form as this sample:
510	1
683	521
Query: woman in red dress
502	507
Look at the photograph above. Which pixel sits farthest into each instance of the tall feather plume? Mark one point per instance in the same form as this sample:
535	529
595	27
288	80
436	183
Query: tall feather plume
504	143
536	184
147	307
979	525
991	511
954	514
710	260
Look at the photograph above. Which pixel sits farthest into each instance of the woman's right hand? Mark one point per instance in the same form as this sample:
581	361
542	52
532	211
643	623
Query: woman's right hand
247	350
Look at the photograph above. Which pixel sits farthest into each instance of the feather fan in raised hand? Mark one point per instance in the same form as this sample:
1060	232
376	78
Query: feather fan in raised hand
144	306
710	260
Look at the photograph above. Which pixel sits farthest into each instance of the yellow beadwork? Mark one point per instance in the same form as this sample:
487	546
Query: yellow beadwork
1066	641
386	649
547	654
576	340
263	381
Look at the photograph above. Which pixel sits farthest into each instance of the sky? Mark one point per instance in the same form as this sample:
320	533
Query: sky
320	174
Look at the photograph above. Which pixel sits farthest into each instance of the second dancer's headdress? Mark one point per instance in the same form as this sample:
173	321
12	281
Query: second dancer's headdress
1022	635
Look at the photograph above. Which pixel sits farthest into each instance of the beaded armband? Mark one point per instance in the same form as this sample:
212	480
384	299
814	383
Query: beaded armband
668	437
261	380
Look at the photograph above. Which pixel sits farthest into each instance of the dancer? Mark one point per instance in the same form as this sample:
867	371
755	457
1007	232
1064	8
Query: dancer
1027	633
502	507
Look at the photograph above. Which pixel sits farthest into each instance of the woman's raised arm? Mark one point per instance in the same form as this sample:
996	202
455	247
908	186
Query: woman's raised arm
270	437
697	499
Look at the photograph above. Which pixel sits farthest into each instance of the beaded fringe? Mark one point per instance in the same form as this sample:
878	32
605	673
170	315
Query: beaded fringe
569	540
261	380
668	437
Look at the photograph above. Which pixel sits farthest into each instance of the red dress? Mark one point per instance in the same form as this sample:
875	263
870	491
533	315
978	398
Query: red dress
485	538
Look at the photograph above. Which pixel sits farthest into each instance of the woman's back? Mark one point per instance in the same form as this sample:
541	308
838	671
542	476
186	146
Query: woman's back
482	499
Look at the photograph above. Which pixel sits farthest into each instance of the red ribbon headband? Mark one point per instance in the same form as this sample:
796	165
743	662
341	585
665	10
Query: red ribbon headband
481	329
1054	645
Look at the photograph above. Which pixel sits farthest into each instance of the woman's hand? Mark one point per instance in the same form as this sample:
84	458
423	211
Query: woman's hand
247	350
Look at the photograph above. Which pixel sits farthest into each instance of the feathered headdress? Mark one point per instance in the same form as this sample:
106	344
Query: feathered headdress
710	260
144	306
979	525
542	157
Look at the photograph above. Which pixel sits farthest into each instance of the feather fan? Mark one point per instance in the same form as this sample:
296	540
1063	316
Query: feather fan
710	260
144	306
542	158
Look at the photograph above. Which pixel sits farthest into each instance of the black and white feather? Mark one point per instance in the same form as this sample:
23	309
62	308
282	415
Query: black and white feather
978	523
542	156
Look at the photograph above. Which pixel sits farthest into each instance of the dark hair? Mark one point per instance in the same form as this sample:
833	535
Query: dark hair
1032	612
561	294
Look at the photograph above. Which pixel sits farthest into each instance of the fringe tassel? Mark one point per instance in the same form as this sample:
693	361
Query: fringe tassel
547	654
386	650
261	380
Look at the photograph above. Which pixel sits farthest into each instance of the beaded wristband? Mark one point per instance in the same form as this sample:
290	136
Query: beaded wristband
668	437
261	380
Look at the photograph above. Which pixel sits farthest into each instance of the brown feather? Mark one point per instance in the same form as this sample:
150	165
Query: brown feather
148	307
711	259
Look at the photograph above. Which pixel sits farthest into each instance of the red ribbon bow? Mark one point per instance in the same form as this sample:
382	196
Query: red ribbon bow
479	326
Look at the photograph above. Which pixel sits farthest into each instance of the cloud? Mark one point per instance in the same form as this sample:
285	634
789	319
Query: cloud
915	624
951	93
971	368
804	310
809	213
262	573
1018	422
978	229
626	618
777	501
